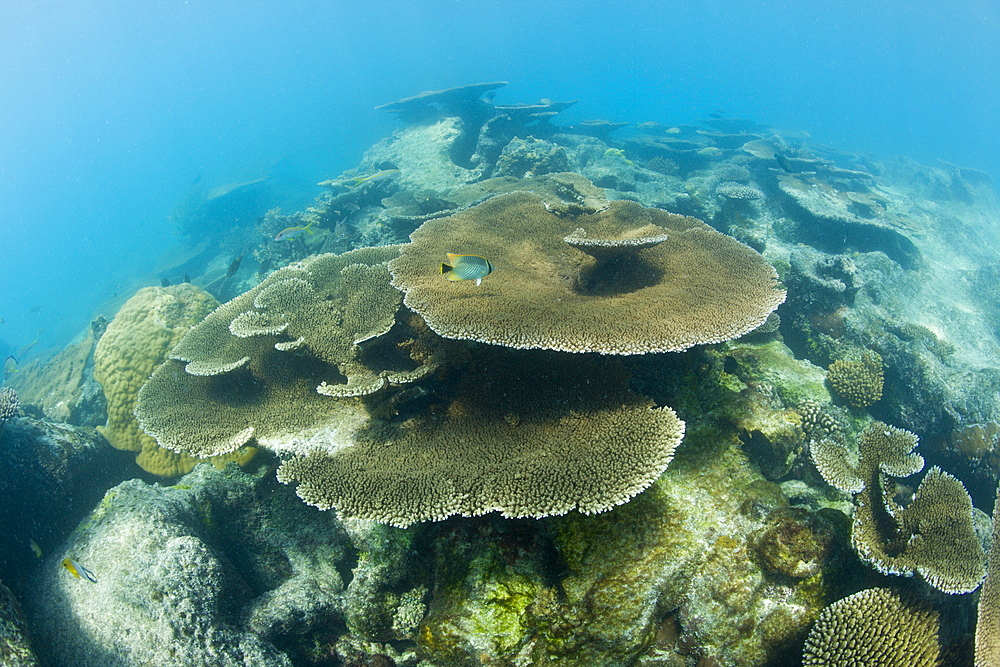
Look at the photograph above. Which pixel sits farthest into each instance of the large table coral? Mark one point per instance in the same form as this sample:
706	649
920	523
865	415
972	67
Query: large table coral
696	286
528	434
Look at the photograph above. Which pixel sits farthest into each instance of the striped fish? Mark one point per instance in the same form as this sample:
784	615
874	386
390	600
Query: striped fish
467	267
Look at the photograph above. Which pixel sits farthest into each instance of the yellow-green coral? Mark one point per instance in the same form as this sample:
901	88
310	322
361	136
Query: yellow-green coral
874	627
858	381
138	340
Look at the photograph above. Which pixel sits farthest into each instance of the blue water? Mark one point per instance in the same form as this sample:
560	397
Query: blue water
109	111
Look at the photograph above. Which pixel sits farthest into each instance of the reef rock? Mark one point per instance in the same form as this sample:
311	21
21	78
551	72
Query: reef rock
180	582
51	474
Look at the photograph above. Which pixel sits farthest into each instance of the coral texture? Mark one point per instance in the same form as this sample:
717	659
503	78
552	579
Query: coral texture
8	404
560	434
988	615
138	340
264	365
858	381
874	628
698	286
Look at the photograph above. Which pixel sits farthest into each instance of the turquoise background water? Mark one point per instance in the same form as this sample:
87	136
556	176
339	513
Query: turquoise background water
109	111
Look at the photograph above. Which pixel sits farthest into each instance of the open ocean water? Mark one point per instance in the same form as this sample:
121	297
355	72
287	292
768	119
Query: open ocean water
109	111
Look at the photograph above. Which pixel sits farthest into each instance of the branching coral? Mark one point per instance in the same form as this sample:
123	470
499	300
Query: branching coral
988	616
874	628
858	381
559	433
8	404
932	536
697	286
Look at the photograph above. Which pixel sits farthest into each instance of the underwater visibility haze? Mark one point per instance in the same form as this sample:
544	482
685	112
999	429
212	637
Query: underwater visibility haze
641	333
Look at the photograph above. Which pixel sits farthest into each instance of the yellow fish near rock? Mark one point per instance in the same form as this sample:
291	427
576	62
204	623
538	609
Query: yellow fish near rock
78	571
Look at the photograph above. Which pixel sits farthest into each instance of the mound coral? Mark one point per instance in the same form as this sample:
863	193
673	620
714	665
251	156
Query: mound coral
858	381
138	340
561	433
697	286
874	627
264	365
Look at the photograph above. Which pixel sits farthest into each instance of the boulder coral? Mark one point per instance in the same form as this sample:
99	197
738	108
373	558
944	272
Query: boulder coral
138	340
697	286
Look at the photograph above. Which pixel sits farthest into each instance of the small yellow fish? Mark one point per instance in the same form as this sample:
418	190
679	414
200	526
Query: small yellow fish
378	175
35	549
289	232
78	571
9	366
467	267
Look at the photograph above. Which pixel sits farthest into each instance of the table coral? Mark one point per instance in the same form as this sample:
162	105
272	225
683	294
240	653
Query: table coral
559	434
265	364
698	286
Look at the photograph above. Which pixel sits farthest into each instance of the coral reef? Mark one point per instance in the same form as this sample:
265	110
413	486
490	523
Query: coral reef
874	627
858	381
180	583
15	647
53	474
265	365
138	340
9	405
933	535
525	158
988	613
698	286
562	433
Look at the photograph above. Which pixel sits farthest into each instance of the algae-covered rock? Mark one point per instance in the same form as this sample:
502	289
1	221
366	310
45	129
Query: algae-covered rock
579	590
52	474
15	647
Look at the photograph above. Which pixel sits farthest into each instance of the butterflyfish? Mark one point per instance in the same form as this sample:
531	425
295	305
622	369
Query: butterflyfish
78	571
289	232
467	267
35	549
